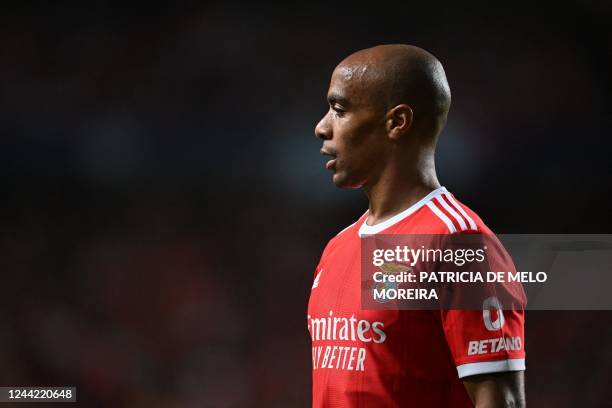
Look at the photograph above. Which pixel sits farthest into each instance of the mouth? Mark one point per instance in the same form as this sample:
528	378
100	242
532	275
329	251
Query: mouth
331	164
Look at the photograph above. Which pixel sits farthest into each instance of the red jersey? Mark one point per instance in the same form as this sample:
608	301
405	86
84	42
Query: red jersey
401	358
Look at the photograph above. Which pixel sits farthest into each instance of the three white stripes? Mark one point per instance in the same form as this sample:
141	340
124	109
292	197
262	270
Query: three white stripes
452	209
442	216
452	212
462	211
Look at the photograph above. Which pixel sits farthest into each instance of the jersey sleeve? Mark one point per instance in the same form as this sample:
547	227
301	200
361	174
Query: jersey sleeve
486	341
487	336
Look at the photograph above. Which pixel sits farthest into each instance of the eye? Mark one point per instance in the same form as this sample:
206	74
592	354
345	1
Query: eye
337	110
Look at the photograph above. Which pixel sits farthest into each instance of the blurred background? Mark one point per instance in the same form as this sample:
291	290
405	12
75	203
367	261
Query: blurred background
164	203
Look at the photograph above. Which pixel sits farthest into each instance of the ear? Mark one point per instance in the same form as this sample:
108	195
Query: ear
399	121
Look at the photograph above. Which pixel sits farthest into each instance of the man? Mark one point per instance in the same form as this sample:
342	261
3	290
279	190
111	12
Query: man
387	106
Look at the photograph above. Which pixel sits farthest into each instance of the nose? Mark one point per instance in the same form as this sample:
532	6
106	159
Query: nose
323	130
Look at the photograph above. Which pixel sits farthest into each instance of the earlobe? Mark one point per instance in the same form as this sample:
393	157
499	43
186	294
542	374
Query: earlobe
392	129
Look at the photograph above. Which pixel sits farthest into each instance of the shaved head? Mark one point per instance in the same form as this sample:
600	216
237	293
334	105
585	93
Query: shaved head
387	106
395	74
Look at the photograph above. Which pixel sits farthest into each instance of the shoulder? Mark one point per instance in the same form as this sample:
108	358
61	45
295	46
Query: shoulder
447	215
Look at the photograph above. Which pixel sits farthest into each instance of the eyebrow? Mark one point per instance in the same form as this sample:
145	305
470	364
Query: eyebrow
336	98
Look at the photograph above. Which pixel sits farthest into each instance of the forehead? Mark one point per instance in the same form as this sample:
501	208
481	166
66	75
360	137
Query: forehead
355	82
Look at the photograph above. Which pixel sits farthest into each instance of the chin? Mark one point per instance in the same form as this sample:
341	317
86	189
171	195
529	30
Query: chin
341	181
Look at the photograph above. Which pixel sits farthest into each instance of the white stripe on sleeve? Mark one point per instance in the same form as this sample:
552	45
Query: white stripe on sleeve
443	217
452	212
462	211
485	367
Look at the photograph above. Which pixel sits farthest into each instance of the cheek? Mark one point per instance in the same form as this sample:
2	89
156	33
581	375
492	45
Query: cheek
365	142
352	136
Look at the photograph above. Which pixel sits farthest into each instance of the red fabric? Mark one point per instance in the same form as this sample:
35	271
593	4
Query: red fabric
395	358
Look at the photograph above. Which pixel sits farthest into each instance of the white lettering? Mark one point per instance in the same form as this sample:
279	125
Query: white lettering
325	357
494	345
361	359
362	327
351	358
332	356
472	348
382	335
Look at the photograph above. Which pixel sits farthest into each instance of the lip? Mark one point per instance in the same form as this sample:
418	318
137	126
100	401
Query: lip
325	152
331	164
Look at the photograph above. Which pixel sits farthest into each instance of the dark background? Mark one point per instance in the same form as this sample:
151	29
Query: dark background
163	202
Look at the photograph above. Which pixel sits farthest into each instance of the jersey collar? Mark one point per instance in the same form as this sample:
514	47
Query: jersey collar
366	229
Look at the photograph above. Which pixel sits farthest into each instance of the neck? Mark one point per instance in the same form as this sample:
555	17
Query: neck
398	188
